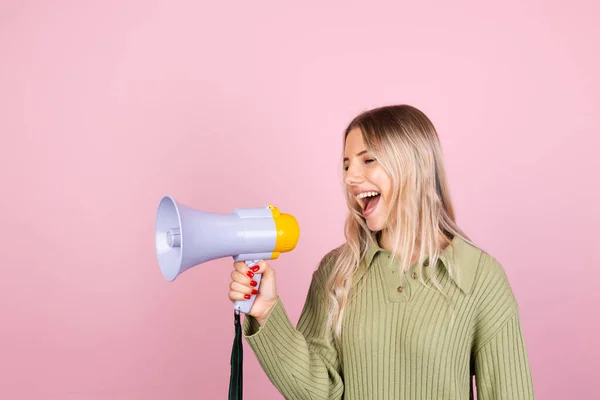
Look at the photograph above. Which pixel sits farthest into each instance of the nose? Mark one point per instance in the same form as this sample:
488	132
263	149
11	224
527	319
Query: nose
353	176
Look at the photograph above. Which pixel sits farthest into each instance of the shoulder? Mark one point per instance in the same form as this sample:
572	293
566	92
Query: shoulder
322	272
479	271
492	296
491	281
325	266
494	300
327	262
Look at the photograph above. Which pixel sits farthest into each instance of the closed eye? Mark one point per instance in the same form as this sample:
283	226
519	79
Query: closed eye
367	161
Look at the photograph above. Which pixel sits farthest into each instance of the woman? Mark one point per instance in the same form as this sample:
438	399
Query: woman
408	307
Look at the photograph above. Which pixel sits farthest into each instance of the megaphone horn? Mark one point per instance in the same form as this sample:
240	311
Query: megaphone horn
186	237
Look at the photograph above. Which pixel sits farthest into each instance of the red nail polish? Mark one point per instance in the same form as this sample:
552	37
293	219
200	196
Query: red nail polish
254	291
250	274
255	268
253	283
247	296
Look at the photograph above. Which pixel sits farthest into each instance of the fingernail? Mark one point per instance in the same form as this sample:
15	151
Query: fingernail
247	296
253	283
255	268
250	274
254	291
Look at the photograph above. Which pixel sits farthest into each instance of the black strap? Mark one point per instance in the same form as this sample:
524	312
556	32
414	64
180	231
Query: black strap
236	380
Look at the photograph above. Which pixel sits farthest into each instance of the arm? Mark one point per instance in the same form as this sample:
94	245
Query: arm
302	363
500	361
501	365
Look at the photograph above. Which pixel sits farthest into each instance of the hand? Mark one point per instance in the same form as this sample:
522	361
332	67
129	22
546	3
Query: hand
241	286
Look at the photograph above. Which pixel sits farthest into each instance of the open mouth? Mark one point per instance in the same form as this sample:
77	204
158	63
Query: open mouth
369	201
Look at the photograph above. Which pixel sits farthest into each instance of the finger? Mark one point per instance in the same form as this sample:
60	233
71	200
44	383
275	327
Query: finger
244	279
265	269
236	296
260	267
240	288
240	266
243	268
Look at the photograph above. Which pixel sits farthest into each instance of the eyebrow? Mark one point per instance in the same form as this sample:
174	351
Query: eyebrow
358	155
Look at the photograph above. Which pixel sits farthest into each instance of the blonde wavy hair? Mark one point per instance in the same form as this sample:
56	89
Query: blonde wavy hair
421	216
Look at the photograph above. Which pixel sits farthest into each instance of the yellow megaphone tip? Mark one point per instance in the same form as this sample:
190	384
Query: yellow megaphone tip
288	231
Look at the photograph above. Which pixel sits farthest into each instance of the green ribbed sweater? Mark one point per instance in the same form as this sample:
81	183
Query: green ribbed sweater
398	339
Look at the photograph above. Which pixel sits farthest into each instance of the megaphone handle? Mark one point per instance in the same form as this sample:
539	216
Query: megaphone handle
245	305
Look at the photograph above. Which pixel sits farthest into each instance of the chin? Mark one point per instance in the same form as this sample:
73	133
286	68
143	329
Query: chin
374	225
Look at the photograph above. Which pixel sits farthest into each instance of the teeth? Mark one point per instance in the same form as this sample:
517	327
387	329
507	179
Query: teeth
367	194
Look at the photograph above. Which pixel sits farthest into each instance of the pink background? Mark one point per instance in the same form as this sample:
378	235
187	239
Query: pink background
107	106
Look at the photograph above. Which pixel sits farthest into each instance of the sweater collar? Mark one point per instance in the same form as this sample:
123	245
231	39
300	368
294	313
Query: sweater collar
464	256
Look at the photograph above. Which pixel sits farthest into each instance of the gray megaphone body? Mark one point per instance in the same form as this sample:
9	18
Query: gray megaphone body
186	237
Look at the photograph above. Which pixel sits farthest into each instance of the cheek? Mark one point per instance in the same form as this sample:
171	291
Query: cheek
380	179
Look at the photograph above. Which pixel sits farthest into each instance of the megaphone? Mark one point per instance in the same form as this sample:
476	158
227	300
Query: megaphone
186	237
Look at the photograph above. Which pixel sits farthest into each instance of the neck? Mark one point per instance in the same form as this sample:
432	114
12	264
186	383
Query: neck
385	241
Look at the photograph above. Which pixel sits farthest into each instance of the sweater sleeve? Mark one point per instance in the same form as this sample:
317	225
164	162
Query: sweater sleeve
501	365
302	362
500	361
